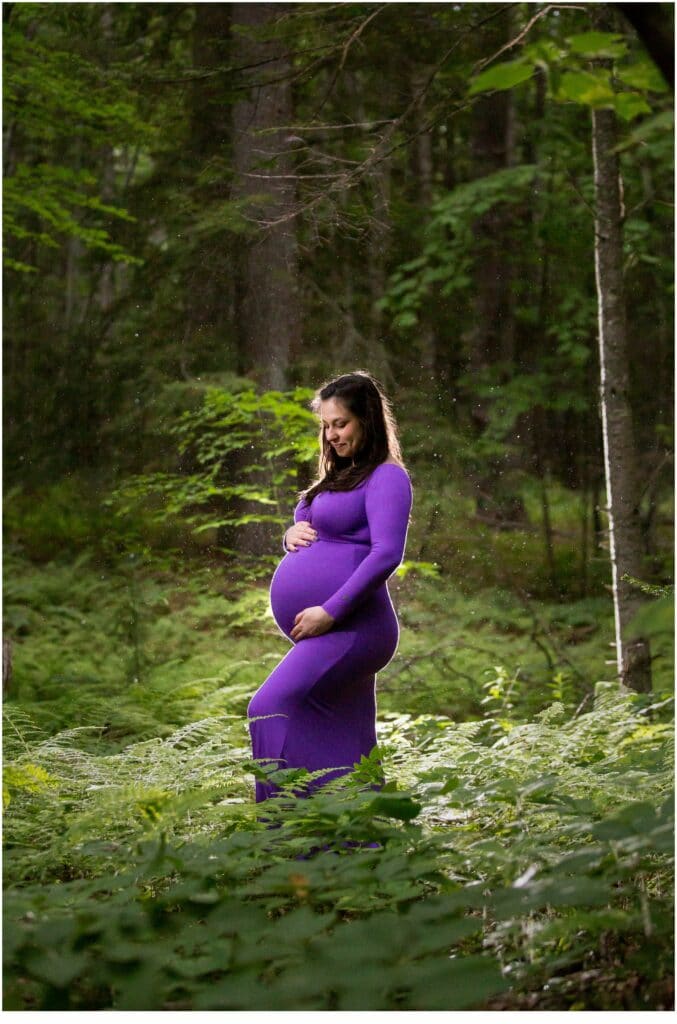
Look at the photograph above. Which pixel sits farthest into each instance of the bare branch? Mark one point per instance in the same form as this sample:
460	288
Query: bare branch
287	177
383	148
325	127
358	32
346	46
525	32
236	69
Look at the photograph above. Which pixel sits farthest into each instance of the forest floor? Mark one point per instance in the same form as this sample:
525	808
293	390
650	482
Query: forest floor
524	826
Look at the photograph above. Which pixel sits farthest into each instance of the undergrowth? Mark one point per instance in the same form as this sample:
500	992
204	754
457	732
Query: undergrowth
519	856
143	880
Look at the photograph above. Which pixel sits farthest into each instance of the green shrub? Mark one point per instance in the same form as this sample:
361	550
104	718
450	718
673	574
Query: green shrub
500	863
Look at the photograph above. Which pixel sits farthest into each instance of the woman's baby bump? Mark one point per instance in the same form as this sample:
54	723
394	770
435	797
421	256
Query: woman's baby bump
309	576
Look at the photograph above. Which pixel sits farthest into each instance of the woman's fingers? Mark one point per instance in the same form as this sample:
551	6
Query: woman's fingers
296	631
303	535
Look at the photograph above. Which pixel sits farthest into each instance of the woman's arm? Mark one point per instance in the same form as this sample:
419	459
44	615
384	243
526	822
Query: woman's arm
301	515
388	504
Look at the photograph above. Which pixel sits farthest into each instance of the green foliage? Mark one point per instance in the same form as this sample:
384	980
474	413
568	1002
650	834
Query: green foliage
591	88
572	78
47	90
493	865
654	589
427	570
54	196
514	394
522	845
138	875
276	426
501	76
63	519
598	44
447	257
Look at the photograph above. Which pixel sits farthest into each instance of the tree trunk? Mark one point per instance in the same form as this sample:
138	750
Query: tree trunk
625	539
267	301
267	294
423	196
211	303
491	338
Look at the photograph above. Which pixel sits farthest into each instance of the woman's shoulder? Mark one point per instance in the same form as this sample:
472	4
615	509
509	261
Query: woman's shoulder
390	461
389	467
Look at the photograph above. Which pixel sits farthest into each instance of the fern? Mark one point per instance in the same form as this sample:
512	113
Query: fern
530	846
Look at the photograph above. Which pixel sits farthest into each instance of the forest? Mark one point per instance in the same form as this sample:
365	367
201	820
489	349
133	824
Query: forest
211	209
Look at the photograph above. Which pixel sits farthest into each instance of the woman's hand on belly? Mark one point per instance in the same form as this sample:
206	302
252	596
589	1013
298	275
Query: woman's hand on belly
300	534
311	622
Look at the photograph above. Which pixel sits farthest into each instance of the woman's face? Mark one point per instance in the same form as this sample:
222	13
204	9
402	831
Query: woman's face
341	428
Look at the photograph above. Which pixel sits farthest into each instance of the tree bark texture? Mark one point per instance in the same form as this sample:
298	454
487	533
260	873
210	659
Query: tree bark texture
625	539
267	293
267	297
491	338
423	165
210	283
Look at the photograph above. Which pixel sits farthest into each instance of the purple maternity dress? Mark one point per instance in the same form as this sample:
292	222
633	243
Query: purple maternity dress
321	697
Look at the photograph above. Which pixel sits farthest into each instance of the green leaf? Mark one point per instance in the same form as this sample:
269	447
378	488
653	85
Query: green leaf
592	88
394	806
543	52
446	984
598	44
660	125
643	75
501	76
630	105
55	966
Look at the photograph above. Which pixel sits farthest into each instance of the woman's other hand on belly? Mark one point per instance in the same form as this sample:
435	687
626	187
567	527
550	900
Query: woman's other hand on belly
311	622
299	535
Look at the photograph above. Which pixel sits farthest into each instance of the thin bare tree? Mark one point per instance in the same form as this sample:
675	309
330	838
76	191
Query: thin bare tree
620	458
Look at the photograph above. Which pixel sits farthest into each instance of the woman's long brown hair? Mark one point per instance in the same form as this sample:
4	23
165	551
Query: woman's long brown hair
365	398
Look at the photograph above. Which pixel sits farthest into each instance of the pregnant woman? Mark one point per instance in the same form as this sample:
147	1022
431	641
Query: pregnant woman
317	709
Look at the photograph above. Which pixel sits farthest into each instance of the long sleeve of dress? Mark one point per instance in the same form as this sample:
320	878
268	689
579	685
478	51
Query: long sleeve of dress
388	504
301	514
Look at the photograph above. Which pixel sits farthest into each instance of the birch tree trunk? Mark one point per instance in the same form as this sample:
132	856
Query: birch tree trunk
620	461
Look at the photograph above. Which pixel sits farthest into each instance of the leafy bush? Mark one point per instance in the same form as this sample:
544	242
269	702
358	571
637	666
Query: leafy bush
516	860
499	858
228	422
63	519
